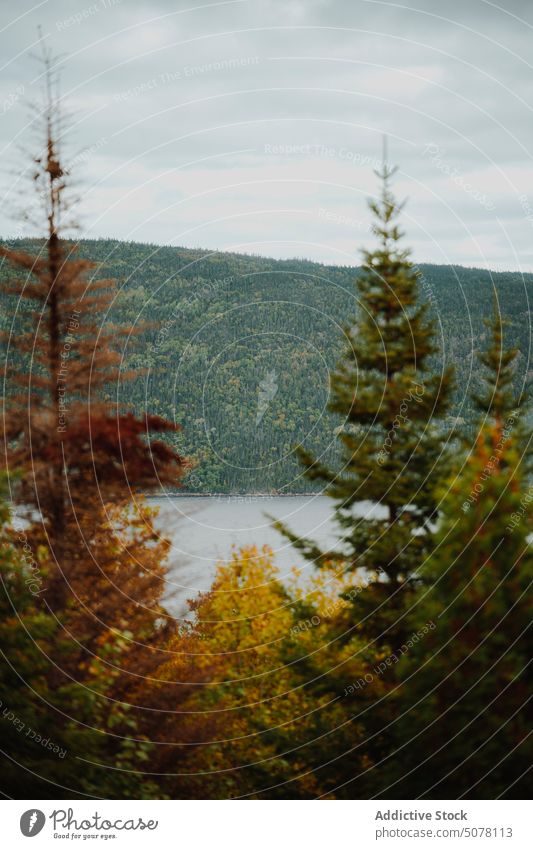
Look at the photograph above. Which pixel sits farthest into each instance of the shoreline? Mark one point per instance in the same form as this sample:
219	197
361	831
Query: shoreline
232	495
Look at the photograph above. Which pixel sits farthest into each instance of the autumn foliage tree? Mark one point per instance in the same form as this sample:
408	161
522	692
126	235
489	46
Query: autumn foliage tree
51	736
78	463
254	654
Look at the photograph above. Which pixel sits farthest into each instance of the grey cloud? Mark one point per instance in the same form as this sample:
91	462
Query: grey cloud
170	104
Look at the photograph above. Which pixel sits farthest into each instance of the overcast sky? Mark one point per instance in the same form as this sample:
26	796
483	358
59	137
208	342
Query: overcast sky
255	125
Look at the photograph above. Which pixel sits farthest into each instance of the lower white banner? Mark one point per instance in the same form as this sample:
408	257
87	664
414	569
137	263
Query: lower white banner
264	825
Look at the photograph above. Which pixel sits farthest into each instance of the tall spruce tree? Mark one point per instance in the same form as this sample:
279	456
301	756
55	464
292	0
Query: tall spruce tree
82	456
463	726
75	462
80	452
389	397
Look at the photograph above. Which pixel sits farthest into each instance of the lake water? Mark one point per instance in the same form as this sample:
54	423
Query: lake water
204	530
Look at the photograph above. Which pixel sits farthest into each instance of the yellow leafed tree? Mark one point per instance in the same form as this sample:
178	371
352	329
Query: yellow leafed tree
267	671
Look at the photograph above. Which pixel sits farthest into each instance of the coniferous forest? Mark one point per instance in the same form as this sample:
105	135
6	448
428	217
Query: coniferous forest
401	668
219	324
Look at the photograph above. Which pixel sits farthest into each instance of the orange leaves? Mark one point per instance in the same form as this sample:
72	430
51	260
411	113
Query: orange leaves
114	452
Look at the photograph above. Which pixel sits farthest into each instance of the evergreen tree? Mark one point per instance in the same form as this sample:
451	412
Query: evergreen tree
463	703
82	456
389	397
75	462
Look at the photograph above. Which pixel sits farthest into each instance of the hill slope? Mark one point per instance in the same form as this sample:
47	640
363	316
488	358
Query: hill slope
242	348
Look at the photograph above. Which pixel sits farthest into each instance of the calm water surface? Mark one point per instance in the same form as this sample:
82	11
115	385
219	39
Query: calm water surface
204	530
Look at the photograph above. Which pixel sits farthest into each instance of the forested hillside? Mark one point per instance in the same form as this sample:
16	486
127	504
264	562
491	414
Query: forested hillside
239	350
